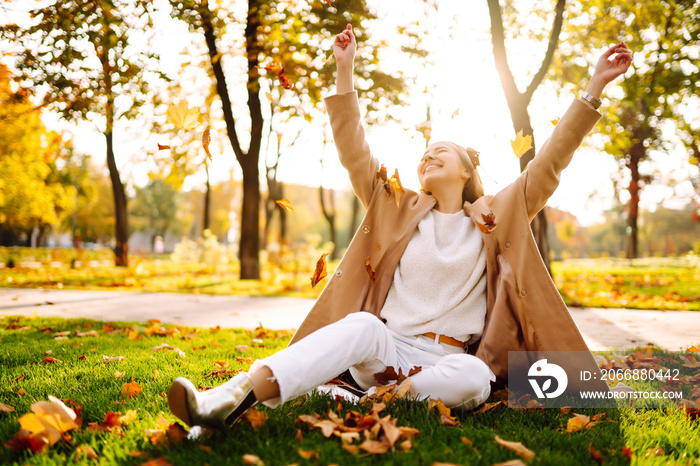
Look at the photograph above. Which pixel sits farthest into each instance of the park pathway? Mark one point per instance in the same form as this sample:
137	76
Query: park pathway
601	328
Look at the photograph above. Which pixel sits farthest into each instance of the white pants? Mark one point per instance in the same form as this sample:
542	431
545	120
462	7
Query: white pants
362	343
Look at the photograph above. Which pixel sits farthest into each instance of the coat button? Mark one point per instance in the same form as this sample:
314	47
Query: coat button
507	244
338	272
365	228
523	292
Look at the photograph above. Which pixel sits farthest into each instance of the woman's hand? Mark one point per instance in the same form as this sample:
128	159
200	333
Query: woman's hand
608	69
344	47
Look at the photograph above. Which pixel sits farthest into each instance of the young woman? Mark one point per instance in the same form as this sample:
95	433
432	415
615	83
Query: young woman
458	280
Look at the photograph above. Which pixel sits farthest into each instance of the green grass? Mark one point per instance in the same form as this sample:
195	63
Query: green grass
92	383
653	283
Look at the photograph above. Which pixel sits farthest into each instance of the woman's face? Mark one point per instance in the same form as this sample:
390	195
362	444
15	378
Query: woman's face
441	166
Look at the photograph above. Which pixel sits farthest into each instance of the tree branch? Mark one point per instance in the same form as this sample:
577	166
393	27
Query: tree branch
499	52
551	48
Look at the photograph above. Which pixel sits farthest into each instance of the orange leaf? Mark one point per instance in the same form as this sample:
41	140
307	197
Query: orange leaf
255	418
555	121
176	433
206	140
395	187
131	389
307	454
286	205
252	460
161	461
626	452
163	147
370	270
50	360
386	375
516	447
320	271
595	454
274	67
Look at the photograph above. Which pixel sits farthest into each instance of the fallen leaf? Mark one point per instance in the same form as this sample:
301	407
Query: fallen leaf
163	346
626	452
307	454
161	461
370	270
320	271
49	420
595	454
252	460
82	357
86	451
655	452
206	140
129	417
386	376
691	408
241	348
21	392
176	433
131	389
406	445
5	408
118	374
182	116
516	447
205	448
375	447
91	333
403	389
521	144
255	418
50	360
286	205
107	359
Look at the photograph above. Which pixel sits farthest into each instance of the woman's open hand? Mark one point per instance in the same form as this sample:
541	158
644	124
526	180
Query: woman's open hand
608	69
344	47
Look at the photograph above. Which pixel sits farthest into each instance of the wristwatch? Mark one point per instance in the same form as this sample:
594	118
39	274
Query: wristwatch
590	99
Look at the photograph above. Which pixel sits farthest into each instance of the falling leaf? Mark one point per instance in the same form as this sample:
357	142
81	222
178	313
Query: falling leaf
163	346
206	140
274	67
182	116
555	121
517	447
320	271
255	418
131	389
455	114
370	270
86	451
269	97
5	408
163	147
521	144
252	460
395	187
286	205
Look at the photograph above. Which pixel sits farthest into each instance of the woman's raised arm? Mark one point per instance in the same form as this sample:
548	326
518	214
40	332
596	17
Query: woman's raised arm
346	123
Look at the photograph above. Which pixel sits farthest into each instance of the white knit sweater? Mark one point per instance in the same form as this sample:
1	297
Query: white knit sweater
440	282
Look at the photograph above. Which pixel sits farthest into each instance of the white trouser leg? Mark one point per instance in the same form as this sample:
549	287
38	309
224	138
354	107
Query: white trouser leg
360	340
459	380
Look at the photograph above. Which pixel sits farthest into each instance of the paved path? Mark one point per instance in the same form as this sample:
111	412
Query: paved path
601	328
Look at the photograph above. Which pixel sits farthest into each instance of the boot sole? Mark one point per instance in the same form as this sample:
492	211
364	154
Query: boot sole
177	402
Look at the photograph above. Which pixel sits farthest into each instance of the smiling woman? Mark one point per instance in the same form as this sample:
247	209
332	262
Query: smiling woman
410	294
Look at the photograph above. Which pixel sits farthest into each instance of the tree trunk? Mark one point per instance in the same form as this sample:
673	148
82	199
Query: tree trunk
636	154
518	101
207	200
329	214
249	245
121	250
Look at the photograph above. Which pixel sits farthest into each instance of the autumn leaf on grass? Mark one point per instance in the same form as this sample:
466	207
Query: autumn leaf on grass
163	346
45	425
691	408
161	461
517	447
370	270
446	419
86	451
387	375
50	360
255	418
131	389
595	454
578	422
5	408
182	116
320	271
206	140
286	205
107	359
521	144
252	460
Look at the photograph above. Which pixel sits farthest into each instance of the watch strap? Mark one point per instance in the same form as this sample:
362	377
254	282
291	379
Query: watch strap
590	99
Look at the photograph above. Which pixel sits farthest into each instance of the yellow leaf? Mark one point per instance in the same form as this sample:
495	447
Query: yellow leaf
395	187
118	374
555	121
286	205
87	451
255	418
182	116
49	419
254	460
128	417
521	144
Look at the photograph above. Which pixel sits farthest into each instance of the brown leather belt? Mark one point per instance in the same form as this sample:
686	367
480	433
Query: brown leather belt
447	340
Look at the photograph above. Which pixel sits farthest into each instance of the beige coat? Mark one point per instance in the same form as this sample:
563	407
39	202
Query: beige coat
524	308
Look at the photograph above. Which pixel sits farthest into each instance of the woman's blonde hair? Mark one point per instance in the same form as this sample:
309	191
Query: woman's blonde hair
474	188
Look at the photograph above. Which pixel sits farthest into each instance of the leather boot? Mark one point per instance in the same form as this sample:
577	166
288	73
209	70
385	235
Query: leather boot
219	407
